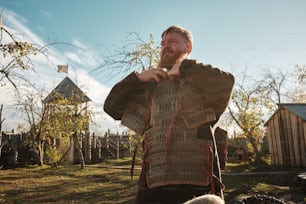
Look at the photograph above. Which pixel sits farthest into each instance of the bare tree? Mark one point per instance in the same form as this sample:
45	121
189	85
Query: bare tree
14	57
1	122
135	55
30	102
274	84
248	106
299	93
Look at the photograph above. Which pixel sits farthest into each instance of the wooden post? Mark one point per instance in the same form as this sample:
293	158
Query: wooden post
130	145
290	141
118	149
274	153
71	157
93	148
107	138
87	148
296	140
303	143
302	146
99	146
279	131
286	134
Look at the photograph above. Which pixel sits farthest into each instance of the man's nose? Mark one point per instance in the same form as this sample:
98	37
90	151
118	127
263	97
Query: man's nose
165	46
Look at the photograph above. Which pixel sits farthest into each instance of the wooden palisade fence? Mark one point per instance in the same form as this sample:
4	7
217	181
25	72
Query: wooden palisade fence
95	148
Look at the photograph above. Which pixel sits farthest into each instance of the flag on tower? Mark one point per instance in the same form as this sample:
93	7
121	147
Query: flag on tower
62	68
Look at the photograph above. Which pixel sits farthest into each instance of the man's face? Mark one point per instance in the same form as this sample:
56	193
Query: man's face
173	48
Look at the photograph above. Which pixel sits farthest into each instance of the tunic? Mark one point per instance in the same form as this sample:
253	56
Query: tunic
176	118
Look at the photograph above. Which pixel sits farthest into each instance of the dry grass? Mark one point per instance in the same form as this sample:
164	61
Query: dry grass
252	178
97	184
67	184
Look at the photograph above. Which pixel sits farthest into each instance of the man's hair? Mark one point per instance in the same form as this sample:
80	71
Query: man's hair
182	31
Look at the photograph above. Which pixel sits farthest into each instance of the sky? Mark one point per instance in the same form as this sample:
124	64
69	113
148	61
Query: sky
237	36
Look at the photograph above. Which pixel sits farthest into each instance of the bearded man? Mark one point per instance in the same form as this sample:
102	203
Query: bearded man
175	107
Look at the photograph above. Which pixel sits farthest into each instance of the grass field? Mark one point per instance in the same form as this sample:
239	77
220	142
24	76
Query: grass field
106	183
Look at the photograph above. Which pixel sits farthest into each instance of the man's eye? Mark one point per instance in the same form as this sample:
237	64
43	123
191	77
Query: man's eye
168	42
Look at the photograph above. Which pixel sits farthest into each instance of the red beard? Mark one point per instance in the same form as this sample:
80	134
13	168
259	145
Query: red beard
169	58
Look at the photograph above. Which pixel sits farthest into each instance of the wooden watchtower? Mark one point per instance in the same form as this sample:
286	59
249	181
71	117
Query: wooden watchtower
67	93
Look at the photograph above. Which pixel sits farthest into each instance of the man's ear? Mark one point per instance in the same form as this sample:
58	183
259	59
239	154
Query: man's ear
189	48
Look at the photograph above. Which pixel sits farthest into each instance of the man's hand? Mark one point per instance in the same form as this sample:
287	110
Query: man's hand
174	71
153	74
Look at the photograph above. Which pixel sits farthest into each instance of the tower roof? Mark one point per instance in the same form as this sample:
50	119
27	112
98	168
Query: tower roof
68	90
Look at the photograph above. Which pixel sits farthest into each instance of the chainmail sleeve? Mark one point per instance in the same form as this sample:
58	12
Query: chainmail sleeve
129	101
123	93
213	85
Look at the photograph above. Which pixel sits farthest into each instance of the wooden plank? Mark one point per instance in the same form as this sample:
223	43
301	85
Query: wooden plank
277	140
284	134
295	136
270	132
279	135
299	139
304	138
302	142
270	135
273	143
289	140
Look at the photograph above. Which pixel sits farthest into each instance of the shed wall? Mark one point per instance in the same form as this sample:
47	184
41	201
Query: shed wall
287	139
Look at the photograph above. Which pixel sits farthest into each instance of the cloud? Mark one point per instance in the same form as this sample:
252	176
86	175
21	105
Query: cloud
73	57
46	77
5	92
47	14
85	56
17	24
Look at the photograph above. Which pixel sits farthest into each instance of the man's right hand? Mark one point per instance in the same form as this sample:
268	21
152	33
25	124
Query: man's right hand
153	74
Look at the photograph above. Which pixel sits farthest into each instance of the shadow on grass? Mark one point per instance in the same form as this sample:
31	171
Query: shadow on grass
67	184
278	185
96	184
257	166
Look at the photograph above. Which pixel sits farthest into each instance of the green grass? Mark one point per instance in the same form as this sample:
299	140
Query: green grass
271	185
253	178
97	184
67	184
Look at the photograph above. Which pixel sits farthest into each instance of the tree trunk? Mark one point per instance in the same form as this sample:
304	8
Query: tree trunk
254	145
1	121
41	152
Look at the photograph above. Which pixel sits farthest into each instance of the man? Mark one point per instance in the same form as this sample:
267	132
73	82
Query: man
174	106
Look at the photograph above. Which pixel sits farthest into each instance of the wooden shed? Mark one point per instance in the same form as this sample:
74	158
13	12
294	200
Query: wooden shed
286	133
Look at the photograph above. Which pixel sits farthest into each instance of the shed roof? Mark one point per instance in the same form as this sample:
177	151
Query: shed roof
298	109
68	90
